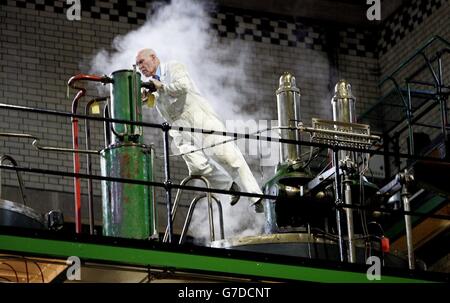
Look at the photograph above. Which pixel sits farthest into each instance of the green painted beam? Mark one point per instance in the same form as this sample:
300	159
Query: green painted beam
186	261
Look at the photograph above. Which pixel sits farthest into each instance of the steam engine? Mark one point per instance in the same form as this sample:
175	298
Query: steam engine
312	215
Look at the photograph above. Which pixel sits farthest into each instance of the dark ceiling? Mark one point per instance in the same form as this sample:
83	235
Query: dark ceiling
341	11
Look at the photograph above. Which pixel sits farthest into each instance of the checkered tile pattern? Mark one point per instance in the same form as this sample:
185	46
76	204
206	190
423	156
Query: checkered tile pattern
406	20
358	42
230	23
270	29
281	30
133	12
40	5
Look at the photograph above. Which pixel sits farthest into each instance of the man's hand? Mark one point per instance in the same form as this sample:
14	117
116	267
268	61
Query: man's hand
158	84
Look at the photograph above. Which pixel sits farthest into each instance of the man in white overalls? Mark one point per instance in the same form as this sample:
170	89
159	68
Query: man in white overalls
180	104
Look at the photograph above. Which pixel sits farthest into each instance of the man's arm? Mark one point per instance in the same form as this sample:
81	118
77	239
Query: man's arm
179	84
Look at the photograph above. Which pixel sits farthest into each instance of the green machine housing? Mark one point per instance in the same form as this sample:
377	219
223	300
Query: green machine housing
128	209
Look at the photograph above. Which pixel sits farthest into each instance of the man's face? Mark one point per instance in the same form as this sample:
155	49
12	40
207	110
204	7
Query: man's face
147	63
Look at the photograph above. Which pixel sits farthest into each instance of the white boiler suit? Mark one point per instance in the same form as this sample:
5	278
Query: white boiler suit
181	105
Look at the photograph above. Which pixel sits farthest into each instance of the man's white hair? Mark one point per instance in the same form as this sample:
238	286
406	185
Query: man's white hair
147	52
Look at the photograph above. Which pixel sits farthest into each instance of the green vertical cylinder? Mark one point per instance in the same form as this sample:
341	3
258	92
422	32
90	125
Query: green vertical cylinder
127	208
126	104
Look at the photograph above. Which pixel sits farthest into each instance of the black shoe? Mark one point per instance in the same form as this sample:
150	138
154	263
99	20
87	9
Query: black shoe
234	198
259	208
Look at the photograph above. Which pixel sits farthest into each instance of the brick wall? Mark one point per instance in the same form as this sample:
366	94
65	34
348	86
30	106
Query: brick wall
40	50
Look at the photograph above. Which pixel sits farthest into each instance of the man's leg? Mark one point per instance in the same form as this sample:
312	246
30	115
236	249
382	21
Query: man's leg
217	178
231	159
198	163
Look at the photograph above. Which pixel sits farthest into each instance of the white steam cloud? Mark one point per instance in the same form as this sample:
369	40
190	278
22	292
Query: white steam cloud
181	31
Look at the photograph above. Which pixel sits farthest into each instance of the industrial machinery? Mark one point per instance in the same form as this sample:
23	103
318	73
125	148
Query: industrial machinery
308	211
127	208
318	205
19	214
290	177
313	215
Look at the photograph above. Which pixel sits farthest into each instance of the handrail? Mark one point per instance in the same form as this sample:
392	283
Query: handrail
438	93
413	56
192	207
19	177
177	199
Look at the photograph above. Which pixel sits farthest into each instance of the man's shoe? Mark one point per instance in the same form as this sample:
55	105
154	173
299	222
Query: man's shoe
234	198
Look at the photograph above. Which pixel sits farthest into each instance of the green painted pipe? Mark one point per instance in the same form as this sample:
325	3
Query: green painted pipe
127	208
126	104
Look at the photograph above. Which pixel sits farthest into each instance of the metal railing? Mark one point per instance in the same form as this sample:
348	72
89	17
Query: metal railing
437	95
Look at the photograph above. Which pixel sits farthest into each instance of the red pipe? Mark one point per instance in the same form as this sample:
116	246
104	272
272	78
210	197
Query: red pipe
76	157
